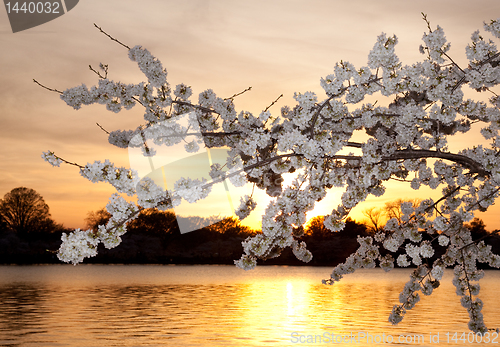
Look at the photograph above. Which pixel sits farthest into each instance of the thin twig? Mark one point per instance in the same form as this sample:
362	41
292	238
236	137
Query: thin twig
68	162
99	125
238	94
184	103
494	56
424	16
452	61
268	107
41	85
98	73
111	37
484	198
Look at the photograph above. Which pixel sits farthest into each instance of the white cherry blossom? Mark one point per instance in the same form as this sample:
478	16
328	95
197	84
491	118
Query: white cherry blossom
405	139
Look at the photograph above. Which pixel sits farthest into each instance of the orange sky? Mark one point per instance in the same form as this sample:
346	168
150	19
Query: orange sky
273	46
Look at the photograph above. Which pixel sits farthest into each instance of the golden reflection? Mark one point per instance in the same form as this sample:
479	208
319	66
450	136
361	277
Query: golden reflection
217	306
289	297
274	309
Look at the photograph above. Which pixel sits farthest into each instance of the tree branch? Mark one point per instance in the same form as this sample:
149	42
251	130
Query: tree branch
471	164
111	37
41	85
238	94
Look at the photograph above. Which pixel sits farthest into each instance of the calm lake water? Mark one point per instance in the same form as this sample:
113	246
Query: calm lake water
123	305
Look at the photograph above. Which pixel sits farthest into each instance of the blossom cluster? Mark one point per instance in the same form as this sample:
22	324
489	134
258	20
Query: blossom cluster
81	244
149	65
247	205
77	246
124	180
314	141
51	158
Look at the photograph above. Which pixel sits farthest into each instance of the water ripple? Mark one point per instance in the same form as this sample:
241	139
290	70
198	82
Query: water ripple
213	306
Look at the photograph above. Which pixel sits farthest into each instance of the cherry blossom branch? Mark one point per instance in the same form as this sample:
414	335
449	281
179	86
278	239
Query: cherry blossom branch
427	100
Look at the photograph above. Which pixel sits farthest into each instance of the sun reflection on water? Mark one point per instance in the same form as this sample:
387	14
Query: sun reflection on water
215	306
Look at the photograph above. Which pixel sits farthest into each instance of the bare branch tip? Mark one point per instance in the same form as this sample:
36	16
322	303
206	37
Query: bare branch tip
99	125
111	37
275	101
45	87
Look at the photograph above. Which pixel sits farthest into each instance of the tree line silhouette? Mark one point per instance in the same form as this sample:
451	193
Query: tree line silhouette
28	235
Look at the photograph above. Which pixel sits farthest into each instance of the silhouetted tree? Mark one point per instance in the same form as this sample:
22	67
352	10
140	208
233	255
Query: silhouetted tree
99	217
352	229
23	210
375	216
149	221
477	228
231	226
155	222
3	225
316	228
392	209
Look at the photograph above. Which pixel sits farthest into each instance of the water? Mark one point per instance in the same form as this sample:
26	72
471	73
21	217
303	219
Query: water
105	305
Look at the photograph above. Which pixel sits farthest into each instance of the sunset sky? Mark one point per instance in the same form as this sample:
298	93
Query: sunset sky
276	47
